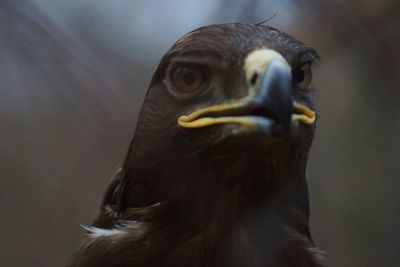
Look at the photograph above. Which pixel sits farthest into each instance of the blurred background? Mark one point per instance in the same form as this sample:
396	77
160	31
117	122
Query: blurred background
73	75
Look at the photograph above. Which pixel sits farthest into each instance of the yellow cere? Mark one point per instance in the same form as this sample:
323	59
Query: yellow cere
257	62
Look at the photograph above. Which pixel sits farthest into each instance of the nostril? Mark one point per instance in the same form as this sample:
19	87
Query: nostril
254	79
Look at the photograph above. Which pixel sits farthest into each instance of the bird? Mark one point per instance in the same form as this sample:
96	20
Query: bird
215	174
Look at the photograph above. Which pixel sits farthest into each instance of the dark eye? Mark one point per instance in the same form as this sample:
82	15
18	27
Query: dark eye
303	76
187	79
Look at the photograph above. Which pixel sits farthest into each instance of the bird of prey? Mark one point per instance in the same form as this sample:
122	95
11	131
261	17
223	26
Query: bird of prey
215	172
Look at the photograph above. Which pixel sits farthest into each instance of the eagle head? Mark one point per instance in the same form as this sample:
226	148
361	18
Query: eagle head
215	172
227	101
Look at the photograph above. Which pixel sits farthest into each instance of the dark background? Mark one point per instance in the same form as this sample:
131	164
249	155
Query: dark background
73	75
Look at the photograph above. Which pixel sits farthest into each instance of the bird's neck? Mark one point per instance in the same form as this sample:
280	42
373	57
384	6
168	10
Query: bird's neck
249	208
227	227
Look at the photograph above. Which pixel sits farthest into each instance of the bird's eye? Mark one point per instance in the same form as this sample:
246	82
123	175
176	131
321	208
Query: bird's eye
303	76
187	79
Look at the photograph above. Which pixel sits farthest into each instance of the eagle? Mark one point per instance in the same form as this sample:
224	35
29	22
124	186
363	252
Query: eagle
215	174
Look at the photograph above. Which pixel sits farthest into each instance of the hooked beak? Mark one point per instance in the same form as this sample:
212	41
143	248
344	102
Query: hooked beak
269	106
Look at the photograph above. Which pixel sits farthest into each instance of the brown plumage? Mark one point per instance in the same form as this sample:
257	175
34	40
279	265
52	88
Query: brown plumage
215	173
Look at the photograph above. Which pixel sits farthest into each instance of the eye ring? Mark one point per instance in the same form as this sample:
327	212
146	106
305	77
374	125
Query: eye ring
188	78
302	76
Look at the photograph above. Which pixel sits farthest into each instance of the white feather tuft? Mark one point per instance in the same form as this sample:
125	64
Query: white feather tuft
99	232
125	228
